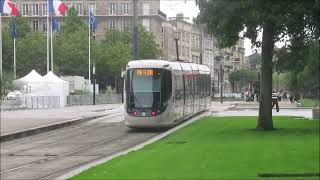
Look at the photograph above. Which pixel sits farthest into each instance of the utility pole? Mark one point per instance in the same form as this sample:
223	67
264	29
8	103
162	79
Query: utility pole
135	30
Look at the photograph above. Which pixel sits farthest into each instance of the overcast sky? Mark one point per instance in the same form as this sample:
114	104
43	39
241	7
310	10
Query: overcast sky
189	9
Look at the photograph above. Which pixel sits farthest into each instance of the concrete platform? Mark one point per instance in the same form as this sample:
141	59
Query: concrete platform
22	123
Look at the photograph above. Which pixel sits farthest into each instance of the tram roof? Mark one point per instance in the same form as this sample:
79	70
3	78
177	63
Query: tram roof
175	65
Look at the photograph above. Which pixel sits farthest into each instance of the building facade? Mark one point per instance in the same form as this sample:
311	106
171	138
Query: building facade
110	14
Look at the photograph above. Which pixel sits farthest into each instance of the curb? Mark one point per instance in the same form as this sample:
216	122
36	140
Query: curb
41	129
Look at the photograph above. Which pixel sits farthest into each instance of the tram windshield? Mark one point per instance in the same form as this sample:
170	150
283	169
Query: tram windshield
148	88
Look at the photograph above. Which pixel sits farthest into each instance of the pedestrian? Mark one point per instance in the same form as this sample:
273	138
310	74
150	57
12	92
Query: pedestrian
275	100
285	96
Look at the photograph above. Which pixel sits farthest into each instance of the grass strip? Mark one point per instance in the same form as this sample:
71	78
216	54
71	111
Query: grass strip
221	148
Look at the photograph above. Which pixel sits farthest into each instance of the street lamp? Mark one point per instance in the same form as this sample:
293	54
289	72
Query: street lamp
176	38
176	33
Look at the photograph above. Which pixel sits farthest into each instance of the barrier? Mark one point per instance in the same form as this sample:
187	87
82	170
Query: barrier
77	100
30	102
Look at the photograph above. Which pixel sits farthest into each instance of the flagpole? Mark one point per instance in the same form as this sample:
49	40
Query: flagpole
51	29
89	51
1	46
14	58
48	25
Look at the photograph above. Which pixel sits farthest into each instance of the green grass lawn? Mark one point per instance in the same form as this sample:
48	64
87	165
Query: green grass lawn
221	148
309	103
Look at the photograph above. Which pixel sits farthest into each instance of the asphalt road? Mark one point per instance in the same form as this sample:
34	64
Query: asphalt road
50	154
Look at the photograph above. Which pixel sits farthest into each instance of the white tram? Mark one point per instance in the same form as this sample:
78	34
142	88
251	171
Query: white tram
161	93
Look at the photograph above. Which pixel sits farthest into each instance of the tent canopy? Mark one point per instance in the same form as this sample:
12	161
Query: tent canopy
50	77
33	76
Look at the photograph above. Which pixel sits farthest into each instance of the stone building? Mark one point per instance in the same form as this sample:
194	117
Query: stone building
111	14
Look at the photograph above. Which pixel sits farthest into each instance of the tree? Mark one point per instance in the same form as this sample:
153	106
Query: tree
301	63
71	46
72	23
71	53
296	20
31	54
243	77
7	45
148	47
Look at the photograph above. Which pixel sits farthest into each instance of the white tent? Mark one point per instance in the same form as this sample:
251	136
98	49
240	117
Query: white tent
32	84
57	87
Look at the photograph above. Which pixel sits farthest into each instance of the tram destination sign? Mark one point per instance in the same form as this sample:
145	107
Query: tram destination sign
146	72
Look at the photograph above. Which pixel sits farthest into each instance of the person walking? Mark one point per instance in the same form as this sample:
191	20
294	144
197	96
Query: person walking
275	100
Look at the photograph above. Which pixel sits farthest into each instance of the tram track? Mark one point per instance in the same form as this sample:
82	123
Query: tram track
58	131
101	138
59	156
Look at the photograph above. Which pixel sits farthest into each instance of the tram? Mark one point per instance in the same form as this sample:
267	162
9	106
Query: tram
161	93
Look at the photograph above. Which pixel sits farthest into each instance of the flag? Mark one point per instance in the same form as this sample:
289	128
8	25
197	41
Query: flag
93	22
14	28
54	24
8	7
57	7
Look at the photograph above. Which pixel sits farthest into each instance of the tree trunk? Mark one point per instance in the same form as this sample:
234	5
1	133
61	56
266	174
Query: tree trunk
265	106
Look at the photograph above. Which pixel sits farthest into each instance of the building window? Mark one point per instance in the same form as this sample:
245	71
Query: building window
44	26
112	24
92	8
44	9
125	24
79	8
146	8
35	9
25	9
113	8
146	24
125	8
69	5
35	25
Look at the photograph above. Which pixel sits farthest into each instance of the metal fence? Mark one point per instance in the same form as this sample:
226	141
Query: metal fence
46	102
34	102
75	100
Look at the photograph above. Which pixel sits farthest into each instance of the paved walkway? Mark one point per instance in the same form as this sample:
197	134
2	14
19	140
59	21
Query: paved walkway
252	109
20	120
254	105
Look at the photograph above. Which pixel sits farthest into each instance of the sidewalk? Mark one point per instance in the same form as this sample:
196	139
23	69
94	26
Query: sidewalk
255	105
13	122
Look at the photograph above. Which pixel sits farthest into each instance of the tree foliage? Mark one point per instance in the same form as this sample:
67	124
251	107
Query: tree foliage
228	19
243	77
23	29
31	54
301	64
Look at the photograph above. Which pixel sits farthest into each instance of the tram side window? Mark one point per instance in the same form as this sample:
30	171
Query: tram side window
179	87
166	86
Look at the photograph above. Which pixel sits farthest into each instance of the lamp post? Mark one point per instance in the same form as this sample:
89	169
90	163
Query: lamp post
94	83
176	33
176	38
